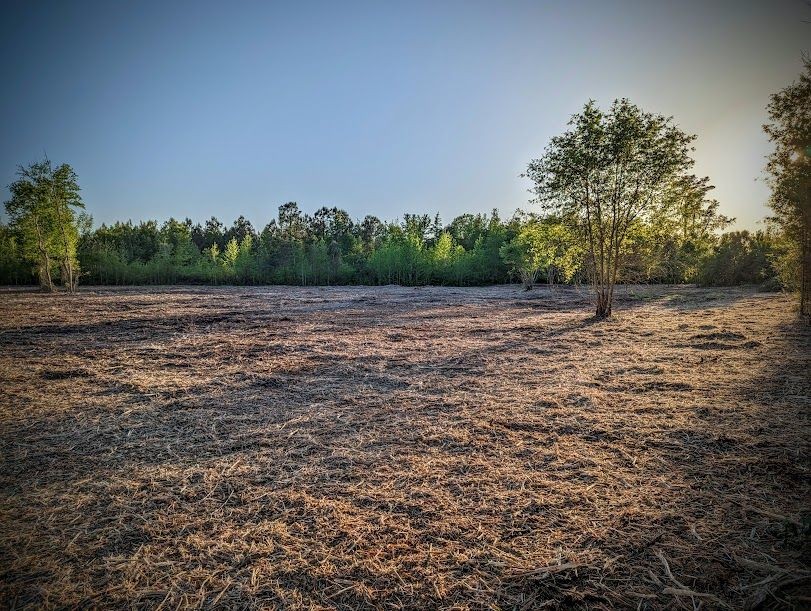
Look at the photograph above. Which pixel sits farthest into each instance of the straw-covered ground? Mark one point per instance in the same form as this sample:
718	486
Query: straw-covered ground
403	448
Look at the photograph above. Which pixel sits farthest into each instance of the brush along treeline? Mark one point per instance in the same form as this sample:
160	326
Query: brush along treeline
328	248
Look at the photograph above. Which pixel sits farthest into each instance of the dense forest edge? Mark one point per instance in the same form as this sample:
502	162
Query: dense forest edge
328	247
618	204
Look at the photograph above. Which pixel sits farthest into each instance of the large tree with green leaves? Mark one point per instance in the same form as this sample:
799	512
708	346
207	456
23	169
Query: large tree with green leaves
43	211
606	174
789	169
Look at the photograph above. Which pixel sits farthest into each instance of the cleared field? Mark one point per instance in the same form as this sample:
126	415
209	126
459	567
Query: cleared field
397	447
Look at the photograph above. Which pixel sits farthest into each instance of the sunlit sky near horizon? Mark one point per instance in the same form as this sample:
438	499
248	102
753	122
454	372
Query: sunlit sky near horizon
226	108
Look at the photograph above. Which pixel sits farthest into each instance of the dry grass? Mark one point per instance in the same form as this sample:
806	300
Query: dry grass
403	448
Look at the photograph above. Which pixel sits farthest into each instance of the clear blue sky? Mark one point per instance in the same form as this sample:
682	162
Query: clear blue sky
226	108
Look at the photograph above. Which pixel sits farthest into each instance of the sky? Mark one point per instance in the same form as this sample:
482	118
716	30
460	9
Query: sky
194	109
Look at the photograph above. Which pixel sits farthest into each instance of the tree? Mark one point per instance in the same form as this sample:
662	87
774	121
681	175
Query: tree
334	253
212	233
417	225
370	233
64	198
467	229
33	222
445	256
245	262
741	257
13	269
526	254
214	253
561	252
401	258
676	239
241	229
789	168
605	174
291	222
230	254
542	245
42	211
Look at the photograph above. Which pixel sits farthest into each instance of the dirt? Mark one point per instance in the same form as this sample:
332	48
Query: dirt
389	447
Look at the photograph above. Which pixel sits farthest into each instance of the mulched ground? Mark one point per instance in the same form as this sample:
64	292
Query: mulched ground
403	448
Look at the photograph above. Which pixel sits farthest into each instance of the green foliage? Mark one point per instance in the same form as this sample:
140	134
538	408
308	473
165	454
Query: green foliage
742	257
667	230
525	254
230	255
543	246
402	258
604	176
13	267
45	223
789	169
294	250
789	165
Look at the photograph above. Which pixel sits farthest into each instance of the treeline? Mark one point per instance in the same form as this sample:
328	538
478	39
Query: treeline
328	247
618	198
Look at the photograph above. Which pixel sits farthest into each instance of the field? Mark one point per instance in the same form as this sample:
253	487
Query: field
403	448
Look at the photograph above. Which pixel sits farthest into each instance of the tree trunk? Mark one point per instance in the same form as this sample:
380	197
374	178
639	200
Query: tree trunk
603	304
45	281
63	216
527	281
805	271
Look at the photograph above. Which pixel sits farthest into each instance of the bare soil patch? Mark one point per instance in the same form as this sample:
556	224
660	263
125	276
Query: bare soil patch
403	448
